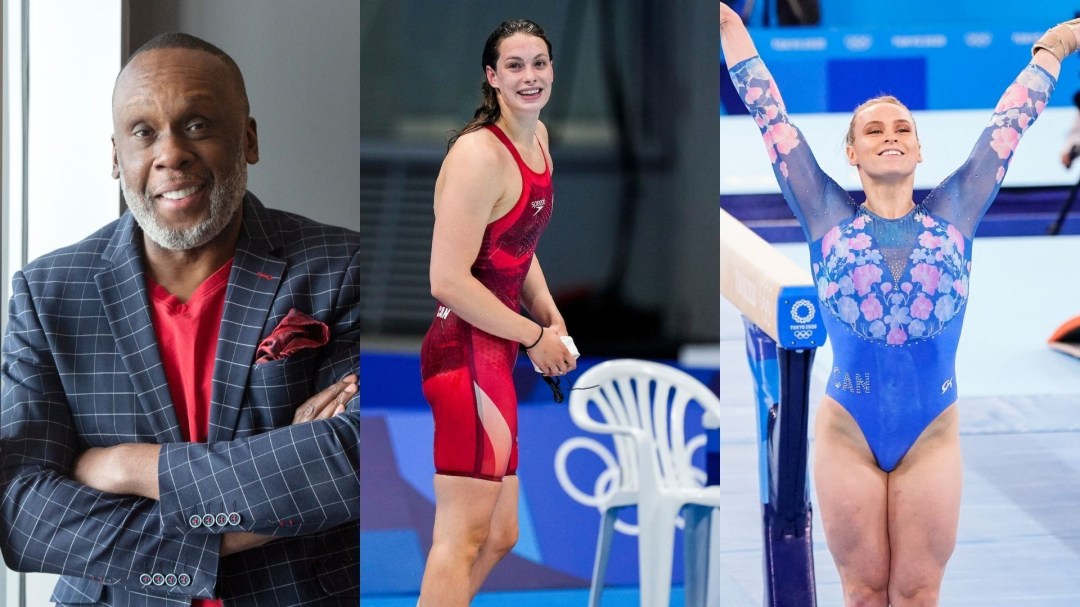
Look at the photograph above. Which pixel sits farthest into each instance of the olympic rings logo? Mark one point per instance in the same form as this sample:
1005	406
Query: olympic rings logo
803	311
857	42
608	482
802	334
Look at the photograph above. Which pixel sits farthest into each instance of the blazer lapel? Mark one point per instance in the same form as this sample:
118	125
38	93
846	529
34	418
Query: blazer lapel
123	295
253	284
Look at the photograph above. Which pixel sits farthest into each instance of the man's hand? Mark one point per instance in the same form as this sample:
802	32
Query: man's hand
128	469
239	541
328	403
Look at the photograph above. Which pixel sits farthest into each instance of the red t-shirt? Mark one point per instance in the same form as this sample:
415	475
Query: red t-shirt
187	336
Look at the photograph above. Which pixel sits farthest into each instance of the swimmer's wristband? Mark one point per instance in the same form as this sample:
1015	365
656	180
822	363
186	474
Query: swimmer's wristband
537	339
569	343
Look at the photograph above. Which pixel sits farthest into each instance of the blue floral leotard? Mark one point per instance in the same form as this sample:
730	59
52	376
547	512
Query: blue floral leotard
894	291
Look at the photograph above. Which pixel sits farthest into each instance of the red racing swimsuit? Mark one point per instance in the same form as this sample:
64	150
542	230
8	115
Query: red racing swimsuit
467	373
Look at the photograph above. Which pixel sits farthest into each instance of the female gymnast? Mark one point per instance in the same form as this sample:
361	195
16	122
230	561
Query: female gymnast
493	199
892	276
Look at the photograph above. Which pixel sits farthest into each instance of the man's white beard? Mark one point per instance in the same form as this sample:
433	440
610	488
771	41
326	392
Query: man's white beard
226	196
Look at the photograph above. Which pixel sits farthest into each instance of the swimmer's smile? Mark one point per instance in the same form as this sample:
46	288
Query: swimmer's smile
531	94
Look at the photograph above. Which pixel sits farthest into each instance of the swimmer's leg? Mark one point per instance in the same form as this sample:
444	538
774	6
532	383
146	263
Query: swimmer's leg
464	508
924	511
502	534
852	499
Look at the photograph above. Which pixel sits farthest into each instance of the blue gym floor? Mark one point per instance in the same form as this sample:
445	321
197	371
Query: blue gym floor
1019	539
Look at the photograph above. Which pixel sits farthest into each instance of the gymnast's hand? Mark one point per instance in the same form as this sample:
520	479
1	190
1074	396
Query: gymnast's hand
735	40
726	14
550	354
329	402
1060	41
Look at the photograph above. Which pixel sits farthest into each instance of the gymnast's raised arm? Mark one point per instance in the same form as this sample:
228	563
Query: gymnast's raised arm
967	193
810	193
734	39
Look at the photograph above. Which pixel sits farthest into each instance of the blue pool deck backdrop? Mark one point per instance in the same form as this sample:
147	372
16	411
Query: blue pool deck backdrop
561	474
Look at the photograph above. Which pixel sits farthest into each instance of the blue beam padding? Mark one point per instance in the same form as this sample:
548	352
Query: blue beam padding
789	438
761	355
782	380
798	318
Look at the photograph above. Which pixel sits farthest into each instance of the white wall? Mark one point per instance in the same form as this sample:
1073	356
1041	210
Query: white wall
74	57
10	151
73	48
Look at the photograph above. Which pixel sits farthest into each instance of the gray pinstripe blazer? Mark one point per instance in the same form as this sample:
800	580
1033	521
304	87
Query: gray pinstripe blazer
81	368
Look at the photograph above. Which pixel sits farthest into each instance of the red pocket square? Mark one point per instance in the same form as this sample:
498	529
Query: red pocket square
297	331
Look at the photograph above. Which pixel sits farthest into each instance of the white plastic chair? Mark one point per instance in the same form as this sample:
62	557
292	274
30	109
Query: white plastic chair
642	405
